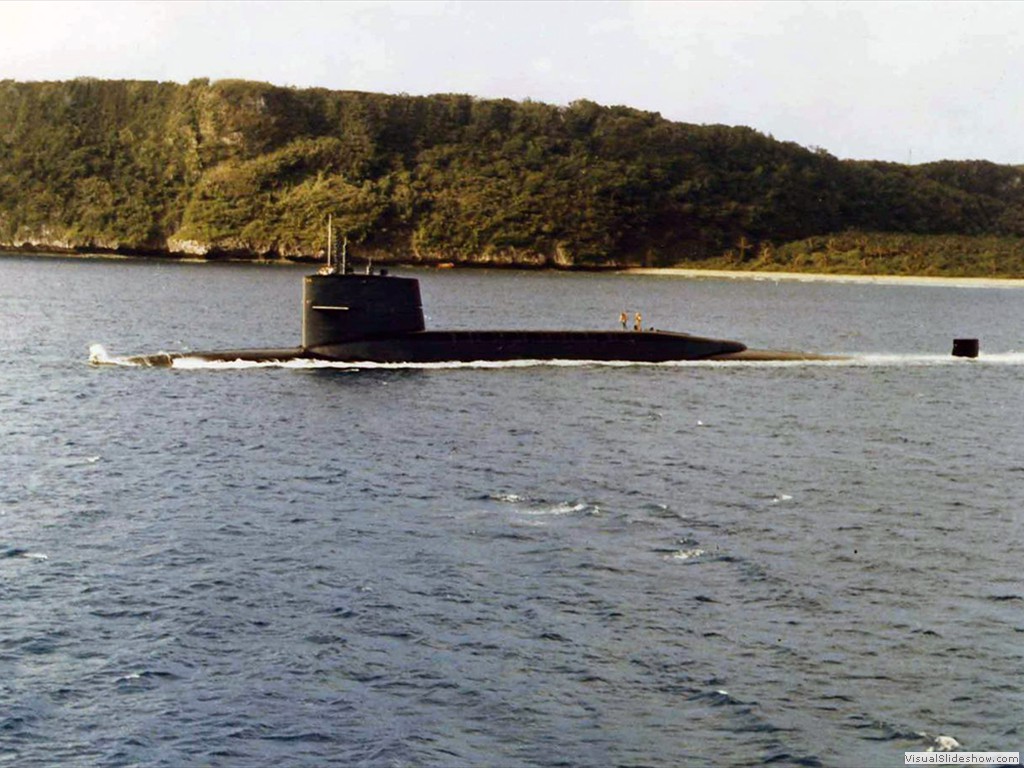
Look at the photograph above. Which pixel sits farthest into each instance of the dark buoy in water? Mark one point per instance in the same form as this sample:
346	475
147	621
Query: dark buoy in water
965	347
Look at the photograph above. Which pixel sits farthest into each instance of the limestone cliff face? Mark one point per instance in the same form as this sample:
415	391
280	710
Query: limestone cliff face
48	239
187	247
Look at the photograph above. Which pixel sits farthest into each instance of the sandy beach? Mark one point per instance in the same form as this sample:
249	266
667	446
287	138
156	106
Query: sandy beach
813	277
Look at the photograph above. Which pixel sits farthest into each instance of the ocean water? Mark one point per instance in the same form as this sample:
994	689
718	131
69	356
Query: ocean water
506	565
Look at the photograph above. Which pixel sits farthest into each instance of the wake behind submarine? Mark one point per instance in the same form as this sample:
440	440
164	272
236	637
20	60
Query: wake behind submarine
378	318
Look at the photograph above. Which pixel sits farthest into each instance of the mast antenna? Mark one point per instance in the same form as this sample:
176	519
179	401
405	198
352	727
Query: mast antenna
330	229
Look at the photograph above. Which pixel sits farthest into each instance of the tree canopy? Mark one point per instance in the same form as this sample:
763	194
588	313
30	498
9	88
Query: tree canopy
252	170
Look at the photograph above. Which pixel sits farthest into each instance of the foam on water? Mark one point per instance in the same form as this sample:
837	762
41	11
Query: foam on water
543	508
561	508
189	363
846	361
685	554
510	498
939	743
98	355
897	360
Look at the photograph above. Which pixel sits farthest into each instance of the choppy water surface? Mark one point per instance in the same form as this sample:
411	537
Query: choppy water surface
520	565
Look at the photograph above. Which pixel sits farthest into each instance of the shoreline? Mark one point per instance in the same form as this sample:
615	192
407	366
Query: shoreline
825	277
163	258
693	273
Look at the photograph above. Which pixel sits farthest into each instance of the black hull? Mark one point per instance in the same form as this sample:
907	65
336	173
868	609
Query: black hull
472	346
497	346
379	319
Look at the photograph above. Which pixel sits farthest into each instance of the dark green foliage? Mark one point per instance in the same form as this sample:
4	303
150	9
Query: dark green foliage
875	253
250	169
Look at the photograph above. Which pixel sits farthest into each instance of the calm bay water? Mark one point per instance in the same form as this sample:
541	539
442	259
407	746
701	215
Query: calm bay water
697	564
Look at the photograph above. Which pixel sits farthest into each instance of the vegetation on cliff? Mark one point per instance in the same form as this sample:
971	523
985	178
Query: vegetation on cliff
884	253
250	169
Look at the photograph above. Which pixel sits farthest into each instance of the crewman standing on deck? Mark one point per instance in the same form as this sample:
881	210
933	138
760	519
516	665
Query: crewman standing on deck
638	322
623	318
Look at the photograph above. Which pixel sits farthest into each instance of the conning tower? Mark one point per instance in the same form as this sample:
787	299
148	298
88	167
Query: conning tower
337	308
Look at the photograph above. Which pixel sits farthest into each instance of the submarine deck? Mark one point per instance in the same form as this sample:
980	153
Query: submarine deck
166	359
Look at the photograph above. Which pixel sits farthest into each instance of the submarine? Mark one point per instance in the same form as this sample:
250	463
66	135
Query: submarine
376	317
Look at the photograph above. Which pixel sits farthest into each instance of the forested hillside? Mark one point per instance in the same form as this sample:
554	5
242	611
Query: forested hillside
233	168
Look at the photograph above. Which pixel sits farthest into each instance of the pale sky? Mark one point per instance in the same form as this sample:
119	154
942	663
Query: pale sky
901	81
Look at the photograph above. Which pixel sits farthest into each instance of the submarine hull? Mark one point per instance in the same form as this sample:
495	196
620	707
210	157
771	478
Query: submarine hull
486	346
379	319
470	346
166	359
